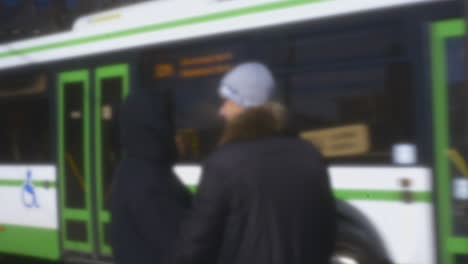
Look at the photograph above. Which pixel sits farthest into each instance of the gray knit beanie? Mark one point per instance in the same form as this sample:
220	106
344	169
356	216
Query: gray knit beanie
248	84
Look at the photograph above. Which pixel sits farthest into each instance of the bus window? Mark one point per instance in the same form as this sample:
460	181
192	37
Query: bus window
362	44
368	104
196	120
111	97
25	119
74	141
191	76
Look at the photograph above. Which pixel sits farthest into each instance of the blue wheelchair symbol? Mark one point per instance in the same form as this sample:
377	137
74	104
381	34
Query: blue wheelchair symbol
28	193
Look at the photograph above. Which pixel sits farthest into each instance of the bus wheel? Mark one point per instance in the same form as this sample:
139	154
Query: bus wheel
346	257
355	247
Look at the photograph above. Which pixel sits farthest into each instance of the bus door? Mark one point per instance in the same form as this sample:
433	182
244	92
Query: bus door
88	103
450	97
74	114
111	86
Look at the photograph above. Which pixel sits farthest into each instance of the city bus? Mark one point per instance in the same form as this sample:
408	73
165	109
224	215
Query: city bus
377	86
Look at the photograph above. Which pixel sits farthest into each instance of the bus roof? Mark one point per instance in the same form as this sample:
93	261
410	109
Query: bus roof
156	22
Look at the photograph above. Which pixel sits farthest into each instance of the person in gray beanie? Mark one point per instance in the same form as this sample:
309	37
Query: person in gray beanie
247	85
264	197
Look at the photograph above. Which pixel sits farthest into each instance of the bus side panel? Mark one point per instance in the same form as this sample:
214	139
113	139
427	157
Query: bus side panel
28	205
401	213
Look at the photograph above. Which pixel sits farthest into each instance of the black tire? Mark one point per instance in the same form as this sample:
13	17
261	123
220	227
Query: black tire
354	246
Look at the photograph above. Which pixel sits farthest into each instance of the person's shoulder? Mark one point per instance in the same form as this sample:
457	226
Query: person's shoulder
225	153
298	147
303	143
296	142
239	150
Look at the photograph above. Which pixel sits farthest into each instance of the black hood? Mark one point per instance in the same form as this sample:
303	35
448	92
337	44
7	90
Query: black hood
146	127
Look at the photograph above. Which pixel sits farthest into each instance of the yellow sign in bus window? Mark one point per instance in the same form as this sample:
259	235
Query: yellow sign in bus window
341	141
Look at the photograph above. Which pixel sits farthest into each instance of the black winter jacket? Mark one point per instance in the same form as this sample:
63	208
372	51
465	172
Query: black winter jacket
263	199
148	201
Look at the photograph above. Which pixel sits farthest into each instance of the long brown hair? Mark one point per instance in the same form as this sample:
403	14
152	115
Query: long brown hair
255	122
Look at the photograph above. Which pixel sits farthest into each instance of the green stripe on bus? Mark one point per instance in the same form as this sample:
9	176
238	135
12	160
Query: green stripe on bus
370	195
192	188
162	26
458	245
30	241
45	184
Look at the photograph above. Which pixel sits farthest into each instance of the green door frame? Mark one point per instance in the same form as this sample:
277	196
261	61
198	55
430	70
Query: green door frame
116	70
81	76
450	245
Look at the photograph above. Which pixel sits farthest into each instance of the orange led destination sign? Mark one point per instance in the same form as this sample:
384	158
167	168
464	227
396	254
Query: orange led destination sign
204	71
193	67
214	58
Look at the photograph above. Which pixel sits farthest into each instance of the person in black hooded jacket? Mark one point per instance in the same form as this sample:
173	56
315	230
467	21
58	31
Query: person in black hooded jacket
148	201
264	198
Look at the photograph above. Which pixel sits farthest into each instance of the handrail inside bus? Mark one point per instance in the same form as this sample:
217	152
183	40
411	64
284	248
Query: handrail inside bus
75	170
458	161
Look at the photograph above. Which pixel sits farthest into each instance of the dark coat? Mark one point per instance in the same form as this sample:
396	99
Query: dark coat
263	199
148	201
